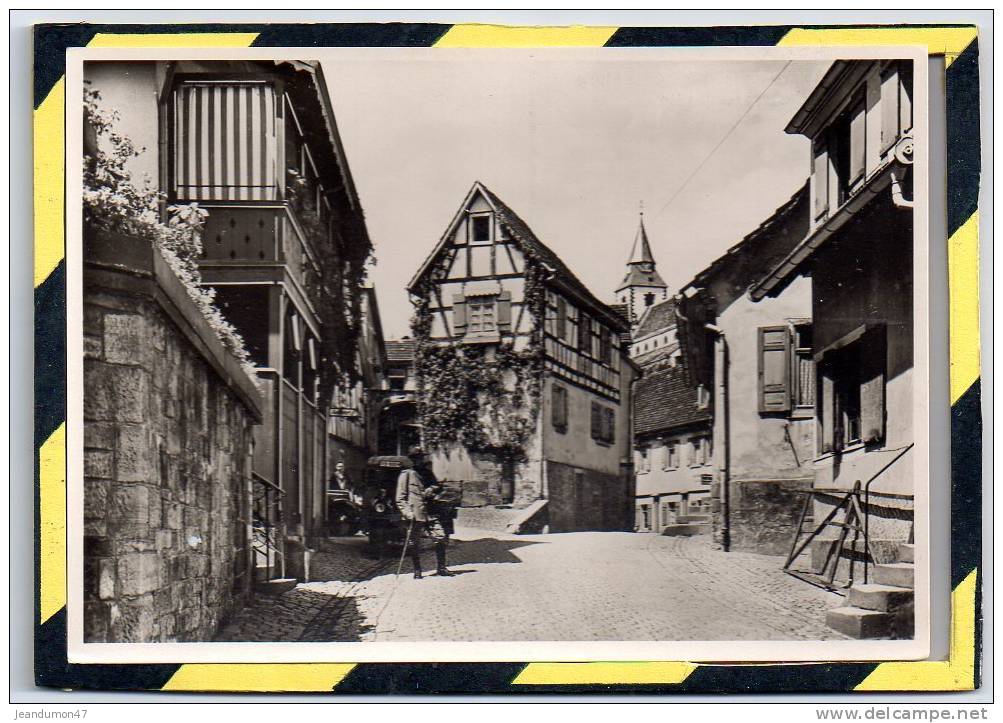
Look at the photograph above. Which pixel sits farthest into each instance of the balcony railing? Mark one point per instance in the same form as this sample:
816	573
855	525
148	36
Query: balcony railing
259	233
241	233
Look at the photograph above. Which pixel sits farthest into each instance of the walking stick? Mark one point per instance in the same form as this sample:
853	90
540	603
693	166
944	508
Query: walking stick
400	563
407	539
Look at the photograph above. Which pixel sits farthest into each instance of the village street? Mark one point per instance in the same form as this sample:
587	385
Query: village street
572	586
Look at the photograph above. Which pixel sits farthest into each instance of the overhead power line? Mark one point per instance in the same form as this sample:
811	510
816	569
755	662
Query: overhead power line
722	141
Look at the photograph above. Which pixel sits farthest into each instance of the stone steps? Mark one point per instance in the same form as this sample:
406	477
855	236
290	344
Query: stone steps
688	529
898	574
907	552
859	623
691	519
881	598
275	587
883	607
489	519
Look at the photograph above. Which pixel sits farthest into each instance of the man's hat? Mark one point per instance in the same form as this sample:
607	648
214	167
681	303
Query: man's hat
416	451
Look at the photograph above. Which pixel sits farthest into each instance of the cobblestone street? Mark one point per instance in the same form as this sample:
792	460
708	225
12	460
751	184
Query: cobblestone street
575	586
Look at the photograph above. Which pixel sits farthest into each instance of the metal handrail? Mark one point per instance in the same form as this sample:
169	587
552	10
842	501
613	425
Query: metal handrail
867	505
851	500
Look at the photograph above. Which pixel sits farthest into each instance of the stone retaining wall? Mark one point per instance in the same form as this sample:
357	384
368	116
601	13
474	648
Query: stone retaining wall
586	499
168	418
765	514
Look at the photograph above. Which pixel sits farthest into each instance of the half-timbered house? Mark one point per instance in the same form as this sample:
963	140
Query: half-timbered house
523	379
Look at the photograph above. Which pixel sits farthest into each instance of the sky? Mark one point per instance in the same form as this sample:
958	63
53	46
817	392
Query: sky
574	146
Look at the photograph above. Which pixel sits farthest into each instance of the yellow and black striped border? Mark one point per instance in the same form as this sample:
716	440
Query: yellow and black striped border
959	45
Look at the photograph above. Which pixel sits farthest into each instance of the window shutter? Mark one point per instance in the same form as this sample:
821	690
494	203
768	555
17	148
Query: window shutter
561	330
872	386
584	333
905	96
858	141
774	369
820	174
596	421
827	414
610	424
505	311
555	401
459	314
889	109
559	400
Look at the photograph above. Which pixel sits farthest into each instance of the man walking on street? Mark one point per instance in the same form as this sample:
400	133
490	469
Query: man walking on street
416	490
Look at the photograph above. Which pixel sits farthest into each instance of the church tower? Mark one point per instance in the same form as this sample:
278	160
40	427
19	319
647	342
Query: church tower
642	286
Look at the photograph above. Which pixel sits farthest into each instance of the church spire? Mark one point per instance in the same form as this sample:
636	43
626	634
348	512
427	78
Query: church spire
641	251
642	285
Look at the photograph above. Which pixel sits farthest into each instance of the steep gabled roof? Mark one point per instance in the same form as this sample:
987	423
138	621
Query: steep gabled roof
528	241
666	399
783	215
657	317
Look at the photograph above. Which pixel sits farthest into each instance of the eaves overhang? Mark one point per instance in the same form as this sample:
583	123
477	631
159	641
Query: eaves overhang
776	280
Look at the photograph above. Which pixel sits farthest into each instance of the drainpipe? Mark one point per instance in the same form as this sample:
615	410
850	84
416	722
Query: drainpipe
898	197
722	425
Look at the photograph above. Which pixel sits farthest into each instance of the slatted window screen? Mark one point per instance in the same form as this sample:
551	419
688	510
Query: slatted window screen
225	146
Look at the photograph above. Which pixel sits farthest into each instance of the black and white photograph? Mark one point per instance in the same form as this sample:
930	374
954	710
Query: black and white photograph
412	354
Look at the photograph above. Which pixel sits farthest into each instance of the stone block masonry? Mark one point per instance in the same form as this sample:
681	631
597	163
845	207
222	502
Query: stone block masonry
168	420
764	514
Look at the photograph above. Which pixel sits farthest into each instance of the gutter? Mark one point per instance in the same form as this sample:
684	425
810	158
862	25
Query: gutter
768	286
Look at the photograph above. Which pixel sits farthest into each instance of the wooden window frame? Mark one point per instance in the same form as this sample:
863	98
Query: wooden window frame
644	455
869	343
472	221
671	459
801	354
482	304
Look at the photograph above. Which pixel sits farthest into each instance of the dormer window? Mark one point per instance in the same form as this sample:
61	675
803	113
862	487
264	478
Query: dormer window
480	229
839	157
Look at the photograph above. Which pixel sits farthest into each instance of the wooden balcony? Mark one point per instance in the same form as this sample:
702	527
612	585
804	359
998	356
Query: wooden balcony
243	233
253	242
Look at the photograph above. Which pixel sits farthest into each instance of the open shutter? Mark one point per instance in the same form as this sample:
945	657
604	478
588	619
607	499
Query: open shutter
889	108
872	386
561	327
596	425
610	424
827	413
774	369
459	314
858	140
820	176
584	333
559	416
505	311
905	96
